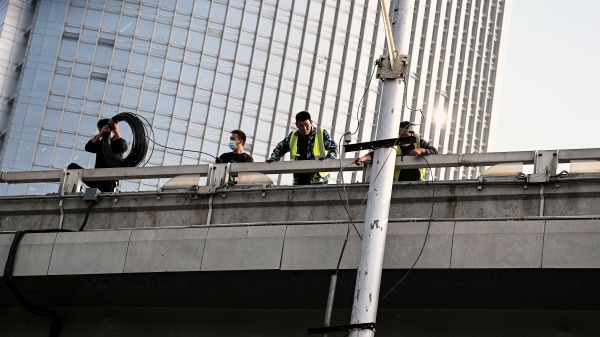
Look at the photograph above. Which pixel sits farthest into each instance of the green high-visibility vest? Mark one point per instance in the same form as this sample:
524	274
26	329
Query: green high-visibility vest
399	153
318	148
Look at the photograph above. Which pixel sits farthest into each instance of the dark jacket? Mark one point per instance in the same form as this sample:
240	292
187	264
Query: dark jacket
118	147
412	174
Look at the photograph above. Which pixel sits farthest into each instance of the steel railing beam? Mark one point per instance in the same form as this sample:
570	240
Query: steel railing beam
328	165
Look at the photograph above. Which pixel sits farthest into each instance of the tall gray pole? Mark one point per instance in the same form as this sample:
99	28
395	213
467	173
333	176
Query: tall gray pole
368	278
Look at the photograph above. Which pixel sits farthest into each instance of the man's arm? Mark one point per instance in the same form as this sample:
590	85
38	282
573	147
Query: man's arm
367	158
428	148
330	145
117	144
424	149
281	149
92	146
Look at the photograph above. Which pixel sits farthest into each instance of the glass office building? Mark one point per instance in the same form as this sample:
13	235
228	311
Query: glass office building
196	70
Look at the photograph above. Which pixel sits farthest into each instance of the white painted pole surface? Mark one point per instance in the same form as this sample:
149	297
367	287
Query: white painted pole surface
368	278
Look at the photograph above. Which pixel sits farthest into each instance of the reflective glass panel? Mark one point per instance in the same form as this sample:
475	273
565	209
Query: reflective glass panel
85	52
172	69
182	107
78	86
149	99
155	66
60	84
96	89
67	49
92	19
127	26
179	37
75	16
145	28
103	55
189	73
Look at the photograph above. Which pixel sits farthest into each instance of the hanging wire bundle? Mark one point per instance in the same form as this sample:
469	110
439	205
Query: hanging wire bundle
139	144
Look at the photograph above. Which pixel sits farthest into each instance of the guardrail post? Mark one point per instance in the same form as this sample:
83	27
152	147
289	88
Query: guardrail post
218	175
70	181
545	164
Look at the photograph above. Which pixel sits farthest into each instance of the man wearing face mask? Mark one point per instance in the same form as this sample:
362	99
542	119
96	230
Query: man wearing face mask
307	143
237	140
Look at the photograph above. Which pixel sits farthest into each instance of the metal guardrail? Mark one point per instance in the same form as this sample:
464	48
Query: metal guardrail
545	164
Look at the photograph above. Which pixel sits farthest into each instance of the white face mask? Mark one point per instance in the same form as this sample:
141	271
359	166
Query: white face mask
232	144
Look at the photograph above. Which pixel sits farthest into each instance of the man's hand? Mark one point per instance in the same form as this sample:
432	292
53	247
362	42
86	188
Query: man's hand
114	126
417	152
105	130
362	160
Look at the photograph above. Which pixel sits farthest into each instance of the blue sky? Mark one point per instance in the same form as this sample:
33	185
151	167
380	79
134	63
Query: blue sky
551	82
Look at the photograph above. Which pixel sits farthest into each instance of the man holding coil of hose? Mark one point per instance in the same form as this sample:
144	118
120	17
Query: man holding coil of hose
108	129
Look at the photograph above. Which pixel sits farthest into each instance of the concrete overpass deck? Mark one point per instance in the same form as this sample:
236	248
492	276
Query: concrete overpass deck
502	244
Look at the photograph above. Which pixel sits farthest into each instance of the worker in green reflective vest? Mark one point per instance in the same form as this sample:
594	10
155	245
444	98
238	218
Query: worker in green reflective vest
418	148
307	143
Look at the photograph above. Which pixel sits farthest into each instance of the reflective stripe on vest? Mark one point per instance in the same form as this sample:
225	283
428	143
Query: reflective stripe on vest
318	148
399	153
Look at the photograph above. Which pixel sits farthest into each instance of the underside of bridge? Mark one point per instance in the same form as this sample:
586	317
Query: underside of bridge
500	259
486	289
492	302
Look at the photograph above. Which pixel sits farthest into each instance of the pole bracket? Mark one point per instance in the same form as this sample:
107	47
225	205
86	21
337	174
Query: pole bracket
388	70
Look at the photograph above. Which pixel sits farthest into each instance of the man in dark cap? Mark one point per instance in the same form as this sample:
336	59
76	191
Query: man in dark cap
418	148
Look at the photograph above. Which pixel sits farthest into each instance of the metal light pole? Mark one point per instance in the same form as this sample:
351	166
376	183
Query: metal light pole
368	278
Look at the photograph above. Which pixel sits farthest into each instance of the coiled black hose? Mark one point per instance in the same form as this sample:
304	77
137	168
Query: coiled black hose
139	144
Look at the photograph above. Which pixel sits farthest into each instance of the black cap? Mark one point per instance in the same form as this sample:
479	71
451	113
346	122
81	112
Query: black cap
406	125
102	123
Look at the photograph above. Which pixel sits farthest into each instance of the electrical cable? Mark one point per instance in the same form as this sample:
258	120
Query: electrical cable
405	97
389	154
395	144
375	178
150	138
400	133
353	224
87	214
363	96
139	143
8	280
183	150
347	202
426	234
346	207
173	148
341	173
350	289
